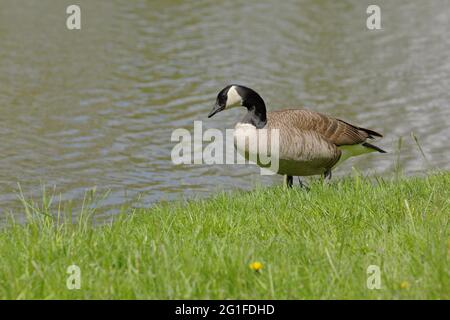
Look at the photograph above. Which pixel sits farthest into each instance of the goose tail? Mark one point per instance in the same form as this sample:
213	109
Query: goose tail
371	146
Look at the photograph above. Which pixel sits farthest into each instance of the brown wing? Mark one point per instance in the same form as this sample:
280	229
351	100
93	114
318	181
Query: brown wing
334	130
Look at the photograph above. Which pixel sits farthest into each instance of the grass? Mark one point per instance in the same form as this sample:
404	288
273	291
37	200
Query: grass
316	244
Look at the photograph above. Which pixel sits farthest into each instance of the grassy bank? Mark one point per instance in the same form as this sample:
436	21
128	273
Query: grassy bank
315	244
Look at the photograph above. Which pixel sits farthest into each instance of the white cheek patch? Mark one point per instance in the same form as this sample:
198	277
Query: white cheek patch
233	98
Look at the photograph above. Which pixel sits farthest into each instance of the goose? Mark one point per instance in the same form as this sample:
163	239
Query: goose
310	143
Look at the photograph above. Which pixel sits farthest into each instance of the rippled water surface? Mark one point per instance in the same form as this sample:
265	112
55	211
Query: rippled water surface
96	107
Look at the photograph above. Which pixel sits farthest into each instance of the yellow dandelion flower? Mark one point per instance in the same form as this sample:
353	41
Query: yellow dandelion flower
256	266
404	285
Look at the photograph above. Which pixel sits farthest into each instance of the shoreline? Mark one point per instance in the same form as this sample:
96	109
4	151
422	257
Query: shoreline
312	245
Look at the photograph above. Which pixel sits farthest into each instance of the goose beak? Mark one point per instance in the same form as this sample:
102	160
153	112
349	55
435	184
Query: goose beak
217	108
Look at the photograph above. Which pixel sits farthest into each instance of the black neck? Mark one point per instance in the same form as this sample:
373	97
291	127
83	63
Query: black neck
256	111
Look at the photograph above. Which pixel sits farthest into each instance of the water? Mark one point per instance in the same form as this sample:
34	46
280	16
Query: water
97	107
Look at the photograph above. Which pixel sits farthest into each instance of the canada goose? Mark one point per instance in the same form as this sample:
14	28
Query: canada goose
310	143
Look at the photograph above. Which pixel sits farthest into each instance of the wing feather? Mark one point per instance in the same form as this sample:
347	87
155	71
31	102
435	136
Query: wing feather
334	130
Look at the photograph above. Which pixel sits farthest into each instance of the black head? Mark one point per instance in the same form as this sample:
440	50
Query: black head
236	95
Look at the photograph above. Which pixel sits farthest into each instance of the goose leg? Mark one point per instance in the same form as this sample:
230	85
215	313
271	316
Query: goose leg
302	184
288	181
327	175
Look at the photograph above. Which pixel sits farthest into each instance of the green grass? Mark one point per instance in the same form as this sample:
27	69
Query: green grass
315	244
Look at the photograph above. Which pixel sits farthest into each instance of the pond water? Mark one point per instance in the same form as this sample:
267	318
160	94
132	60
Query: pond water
96	107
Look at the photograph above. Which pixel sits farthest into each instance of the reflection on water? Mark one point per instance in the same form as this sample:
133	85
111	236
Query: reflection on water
96	107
